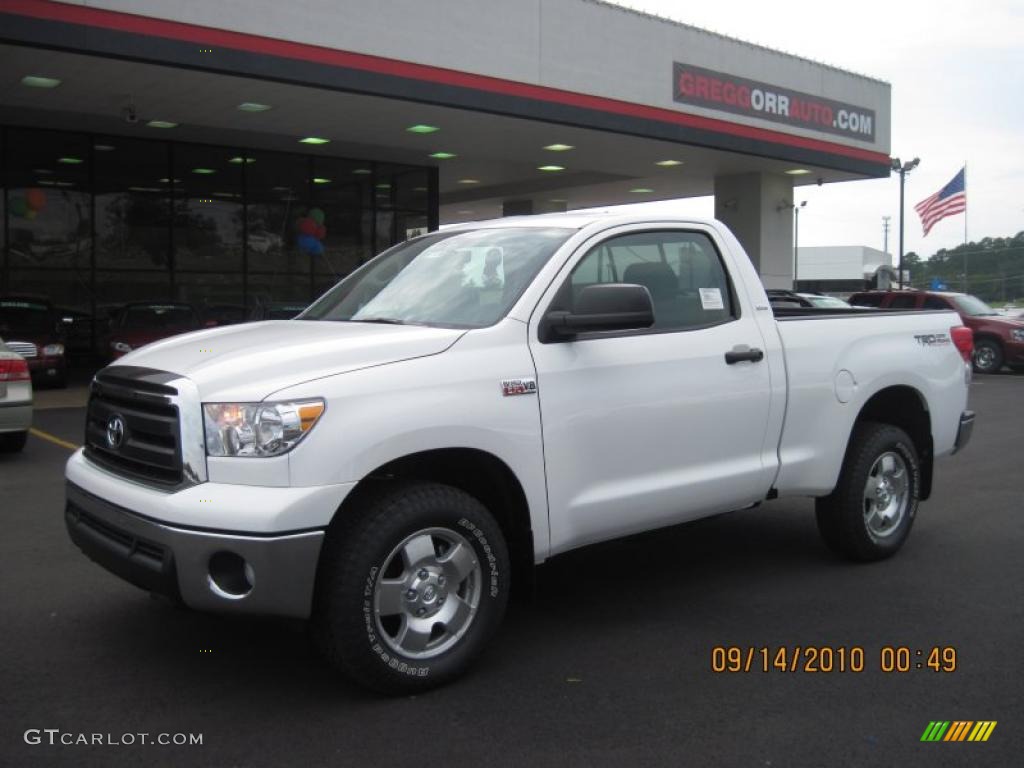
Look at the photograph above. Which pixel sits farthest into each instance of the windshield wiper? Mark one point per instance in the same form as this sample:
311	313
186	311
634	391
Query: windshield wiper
382	320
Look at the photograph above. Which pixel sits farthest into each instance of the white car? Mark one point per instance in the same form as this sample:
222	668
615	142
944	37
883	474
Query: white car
15	400
478	400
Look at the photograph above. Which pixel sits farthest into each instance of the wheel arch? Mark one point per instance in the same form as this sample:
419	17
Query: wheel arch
479	473
904	407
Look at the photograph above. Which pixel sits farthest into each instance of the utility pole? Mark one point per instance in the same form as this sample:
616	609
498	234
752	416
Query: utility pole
903	169
885	234
796	242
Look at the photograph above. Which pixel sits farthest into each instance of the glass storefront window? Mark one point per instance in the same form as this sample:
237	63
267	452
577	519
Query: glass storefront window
277	194
133	203
208	212
98	221
47	199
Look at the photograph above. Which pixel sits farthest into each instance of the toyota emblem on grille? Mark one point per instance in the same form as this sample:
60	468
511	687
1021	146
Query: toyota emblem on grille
115	431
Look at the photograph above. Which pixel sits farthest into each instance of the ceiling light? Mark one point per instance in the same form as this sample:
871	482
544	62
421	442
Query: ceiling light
469	181
669	163
419	189
423	129
64	183
362	171
321	180
798	172
253	106
383	186
641	190
443	155
314	140
239	160
37	81
161	124
70	160
43	171
558	200
559	147
144	189
281	189
103	147
550	168
168	181
45	182
203	171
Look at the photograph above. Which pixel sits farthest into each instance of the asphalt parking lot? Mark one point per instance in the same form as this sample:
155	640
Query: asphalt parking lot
610	664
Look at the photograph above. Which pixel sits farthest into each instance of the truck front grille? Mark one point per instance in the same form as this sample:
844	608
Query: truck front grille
24	348
133	429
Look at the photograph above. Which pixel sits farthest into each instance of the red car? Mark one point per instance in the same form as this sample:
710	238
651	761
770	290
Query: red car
135	325
31	328
998	340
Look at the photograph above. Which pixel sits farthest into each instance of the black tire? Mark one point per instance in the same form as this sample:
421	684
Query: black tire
362	551
12	442
1017	368
991	354
843	514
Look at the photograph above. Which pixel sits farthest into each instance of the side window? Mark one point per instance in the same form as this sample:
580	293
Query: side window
867	299
935	302
903	301
682	271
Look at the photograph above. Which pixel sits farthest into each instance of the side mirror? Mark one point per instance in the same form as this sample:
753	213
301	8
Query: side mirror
610	307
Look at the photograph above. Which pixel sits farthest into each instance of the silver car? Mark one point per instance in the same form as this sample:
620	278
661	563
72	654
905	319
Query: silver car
15	400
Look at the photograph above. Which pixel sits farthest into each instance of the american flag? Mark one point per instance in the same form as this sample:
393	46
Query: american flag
948	201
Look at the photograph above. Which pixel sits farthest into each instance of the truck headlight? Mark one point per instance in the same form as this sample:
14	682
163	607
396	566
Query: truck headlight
1017	334
258	429
120	346
52	350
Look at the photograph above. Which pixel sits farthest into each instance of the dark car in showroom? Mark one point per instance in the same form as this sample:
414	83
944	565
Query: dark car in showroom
135	325
31	327
998	340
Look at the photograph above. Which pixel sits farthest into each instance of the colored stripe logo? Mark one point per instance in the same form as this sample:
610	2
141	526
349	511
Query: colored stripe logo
958	730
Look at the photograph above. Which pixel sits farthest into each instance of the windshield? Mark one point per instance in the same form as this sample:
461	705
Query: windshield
157	316
25	317
972	305
457	280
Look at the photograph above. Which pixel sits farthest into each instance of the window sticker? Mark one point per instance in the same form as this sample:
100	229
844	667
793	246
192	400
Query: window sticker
711	298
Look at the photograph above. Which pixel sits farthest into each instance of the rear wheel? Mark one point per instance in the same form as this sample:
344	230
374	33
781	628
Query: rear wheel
411	587
12	442
988	356
869	514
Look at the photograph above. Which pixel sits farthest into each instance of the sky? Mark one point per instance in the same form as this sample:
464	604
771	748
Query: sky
957	76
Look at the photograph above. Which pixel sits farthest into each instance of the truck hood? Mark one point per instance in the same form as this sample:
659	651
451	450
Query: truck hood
247	363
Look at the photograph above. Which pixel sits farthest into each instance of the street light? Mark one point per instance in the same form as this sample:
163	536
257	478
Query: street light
903	169
796	242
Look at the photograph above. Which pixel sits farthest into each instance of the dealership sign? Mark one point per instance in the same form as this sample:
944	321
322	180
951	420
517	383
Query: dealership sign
728	93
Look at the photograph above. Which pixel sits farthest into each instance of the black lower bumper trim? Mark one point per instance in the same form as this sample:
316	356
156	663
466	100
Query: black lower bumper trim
146	564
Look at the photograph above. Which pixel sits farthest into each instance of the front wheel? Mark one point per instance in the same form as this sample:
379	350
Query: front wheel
869	514
12	442
988	356
412	584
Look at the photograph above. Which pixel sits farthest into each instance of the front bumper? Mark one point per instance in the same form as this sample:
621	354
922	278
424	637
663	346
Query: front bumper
195	565
964	431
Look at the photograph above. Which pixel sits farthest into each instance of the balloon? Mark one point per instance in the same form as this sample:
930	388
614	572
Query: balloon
321	232
307	226
18	206
317	249
30	214
317	215
307	243
36	199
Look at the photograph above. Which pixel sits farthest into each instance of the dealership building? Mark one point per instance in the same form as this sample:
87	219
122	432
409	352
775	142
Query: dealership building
246	152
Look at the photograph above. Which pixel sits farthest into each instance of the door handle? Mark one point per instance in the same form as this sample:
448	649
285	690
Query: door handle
742	353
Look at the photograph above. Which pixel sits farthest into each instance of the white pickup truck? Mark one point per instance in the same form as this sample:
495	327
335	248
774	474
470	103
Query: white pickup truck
475	401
